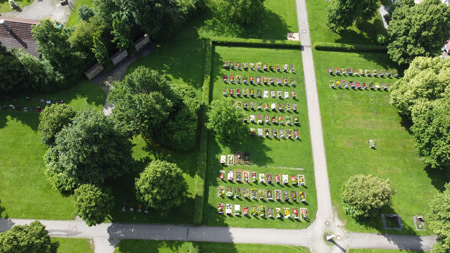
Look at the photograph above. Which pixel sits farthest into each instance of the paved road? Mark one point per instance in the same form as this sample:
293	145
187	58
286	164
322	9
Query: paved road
41	9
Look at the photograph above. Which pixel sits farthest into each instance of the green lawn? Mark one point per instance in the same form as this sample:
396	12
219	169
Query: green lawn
350	119
365	33
381	251
184	247
72	245
24	190
274	156
5	7
74	19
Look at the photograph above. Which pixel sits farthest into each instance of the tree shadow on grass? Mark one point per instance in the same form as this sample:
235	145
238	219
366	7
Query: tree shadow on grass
269	26
438	178
181	56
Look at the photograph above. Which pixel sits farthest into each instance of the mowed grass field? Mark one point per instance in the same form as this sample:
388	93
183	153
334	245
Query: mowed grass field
350	119
74	245
274	155
185	247
24	190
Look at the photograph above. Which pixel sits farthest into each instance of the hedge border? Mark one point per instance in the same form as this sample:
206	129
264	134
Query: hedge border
256	43
199	199
328	46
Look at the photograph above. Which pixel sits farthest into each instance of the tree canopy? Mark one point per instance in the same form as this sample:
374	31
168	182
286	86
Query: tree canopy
431	130
161	185
417	30
439	220
31	238
226	121
54	46
426	79
147	104
52	120
343	13
89	151
13	76
240	12
364	195
93	205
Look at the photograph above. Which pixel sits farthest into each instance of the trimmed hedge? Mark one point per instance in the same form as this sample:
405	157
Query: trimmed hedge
203	145
256	43
327	46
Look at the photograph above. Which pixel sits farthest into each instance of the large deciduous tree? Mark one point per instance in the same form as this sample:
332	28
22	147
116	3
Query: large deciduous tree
226	121
31	238
417	30
92	204
439	220
343	13
426	79
12	72
89	151
52	120
147	104
54	46
431	130
364	195
240	12
161	186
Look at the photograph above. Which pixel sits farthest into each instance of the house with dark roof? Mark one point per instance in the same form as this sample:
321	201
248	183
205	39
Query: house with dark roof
16	33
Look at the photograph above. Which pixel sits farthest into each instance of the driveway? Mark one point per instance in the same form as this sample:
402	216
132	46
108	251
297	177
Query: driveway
42	9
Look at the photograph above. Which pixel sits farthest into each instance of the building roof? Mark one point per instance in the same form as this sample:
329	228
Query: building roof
20	34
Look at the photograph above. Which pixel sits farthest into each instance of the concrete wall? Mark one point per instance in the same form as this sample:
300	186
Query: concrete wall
94	71
118	57
142	42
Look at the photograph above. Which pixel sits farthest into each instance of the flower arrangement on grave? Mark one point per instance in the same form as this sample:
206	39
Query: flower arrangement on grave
277	178
287	213
229	191
220	208
245	211
254	193
261	211
254	177
302	197
221	191
278	211
253	211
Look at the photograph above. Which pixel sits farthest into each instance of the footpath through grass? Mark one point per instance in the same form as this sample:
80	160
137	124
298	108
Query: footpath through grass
185	247
73	245
267	155
24	190
353	117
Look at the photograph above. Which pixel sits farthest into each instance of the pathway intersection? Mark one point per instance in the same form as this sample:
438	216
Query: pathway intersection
106	236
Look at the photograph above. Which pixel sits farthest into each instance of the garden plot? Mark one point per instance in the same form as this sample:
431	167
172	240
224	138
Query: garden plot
261	181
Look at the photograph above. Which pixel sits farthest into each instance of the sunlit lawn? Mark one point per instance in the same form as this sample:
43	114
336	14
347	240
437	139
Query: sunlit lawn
350	119
185	247
74	245
5	7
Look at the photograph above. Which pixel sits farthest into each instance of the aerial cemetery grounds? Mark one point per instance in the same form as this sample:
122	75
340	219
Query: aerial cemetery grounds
267	178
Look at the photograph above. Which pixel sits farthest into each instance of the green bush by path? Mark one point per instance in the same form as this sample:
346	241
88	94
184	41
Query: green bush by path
328	46
188	247
74	18
255	43
266	156
24	190
74	245
350	119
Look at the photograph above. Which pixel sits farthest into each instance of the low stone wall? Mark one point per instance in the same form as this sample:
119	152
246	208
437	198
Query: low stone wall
118	57
142	42
94	71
